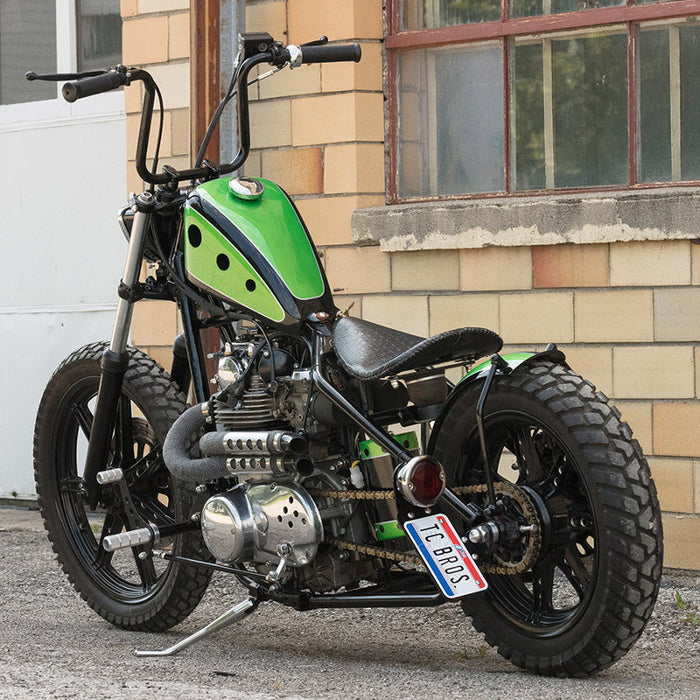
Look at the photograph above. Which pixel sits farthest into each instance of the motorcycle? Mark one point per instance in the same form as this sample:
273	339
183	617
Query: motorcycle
335	465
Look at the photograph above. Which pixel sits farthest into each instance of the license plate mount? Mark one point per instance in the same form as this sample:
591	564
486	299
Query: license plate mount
445	556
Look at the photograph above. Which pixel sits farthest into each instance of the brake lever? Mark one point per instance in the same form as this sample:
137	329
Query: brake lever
55	77
321	41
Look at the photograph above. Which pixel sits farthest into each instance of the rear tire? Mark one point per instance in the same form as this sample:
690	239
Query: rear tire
590	592
129	592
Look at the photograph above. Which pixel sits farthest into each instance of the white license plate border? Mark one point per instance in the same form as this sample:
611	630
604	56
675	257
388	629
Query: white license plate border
476	582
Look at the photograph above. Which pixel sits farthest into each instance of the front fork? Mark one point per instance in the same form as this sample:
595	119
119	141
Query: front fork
115	359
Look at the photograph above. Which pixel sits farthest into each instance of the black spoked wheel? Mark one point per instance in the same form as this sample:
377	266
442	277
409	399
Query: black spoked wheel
581	583
126	587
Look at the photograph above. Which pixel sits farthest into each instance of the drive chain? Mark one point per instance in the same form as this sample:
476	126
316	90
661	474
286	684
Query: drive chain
505	568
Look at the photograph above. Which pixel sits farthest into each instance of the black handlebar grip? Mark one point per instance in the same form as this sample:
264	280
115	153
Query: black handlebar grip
331	54
85	87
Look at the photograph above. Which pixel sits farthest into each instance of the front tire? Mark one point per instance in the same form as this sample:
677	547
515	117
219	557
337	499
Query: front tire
591	590
129	591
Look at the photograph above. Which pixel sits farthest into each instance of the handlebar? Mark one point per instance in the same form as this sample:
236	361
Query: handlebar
85	87
92	83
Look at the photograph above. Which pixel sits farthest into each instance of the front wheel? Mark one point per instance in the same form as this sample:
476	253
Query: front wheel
593	560
130	591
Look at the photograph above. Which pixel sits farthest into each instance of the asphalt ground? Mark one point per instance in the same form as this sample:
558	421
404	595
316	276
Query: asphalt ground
53	646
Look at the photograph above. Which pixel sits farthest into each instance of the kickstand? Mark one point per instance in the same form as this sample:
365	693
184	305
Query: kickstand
237	612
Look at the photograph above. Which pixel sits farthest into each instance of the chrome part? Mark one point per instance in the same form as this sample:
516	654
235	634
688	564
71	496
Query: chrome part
487	533
236	613
295	57
253	442
109	476
404	477
252	523
229	371
131	538
246	188
270	465
132	268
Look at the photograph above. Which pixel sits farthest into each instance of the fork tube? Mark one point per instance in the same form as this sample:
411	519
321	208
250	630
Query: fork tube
115	360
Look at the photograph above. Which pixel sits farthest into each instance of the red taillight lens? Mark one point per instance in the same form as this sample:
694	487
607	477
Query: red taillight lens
421	481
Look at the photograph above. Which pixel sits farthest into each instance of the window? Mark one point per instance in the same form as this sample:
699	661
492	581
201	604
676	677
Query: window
499	96
42	35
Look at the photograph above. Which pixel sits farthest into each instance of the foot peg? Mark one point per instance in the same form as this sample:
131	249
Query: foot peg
237	612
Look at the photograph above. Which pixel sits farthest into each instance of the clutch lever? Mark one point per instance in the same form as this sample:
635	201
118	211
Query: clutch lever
55	77
321	41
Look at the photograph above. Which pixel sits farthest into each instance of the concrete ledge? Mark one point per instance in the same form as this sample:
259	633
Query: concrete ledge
644	215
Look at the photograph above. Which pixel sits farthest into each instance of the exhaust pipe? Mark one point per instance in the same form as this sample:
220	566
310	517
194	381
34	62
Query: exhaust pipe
276	450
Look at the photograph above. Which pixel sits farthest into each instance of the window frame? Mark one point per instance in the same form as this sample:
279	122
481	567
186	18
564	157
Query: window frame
504	30
26	115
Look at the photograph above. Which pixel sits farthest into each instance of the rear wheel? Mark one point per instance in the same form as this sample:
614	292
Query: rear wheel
572	468
129	590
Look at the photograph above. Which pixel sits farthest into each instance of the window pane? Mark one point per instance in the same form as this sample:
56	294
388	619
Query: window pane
589	82
429	14
451	121
690	102
27	42
99	34
529	8
654	107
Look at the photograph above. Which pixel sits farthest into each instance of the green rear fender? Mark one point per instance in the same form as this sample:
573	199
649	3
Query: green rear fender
516	361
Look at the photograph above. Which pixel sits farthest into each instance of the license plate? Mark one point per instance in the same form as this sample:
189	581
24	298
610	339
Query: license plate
446	557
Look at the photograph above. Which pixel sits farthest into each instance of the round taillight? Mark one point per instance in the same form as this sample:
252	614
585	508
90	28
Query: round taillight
421	481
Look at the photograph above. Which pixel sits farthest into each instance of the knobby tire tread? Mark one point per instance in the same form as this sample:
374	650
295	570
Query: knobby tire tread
620	475
188	584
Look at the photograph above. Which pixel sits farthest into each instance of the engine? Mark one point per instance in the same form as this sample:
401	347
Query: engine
269	439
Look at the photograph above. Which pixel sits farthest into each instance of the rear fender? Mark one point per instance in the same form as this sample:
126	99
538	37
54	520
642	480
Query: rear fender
517	361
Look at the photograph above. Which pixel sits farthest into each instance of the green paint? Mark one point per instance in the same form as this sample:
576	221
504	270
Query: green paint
388	530
513	359
273	226
370	449
202	269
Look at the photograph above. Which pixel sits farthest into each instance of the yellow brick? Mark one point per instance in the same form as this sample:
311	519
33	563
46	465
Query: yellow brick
638	416
495	269
337	19
425	270
304	80
697	372
132	131
133	182
253	166
154	323
695	256
174	82
146	6
570	265
129	7
696	478
179	35
677	314
296	170
462	311
649	263
337	118
347	75
328	218
180	132
355	167
270	17
614	316
653	372
357	270
270	124
537	318
133	98
593	364
145	40
404	313
676	431
681	541
349	305
674	483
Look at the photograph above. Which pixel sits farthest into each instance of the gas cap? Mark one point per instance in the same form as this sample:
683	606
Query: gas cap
246	188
